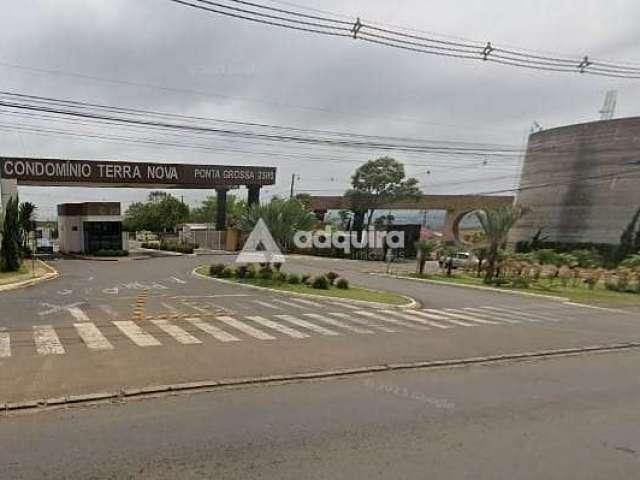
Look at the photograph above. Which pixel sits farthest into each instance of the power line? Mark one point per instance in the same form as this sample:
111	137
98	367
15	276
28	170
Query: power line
398	38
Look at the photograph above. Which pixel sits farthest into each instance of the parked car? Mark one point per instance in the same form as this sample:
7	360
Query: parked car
459	259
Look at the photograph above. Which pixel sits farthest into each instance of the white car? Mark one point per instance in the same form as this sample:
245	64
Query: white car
459	259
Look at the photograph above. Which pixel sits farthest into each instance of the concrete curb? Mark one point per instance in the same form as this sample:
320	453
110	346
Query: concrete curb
212	385
53	274
410	304
476	287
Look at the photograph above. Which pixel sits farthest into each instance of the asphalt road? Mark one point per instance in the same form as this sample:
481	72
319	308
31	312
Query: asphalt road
563	418
104	326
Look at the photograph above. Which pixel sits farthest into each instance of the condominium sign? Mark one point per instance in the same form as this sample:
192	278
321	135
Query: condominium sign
42	171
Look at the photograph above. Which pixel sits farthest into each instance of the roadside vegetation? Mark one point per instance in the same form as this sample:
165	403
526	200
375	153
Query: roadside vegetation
605	276
15	229
328	284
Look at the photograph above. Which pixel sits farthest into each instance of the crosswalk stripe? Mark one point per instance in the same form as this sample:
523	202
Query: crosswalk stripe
288	304
439	315
543	316
362	321
460	314
407	316
266	304
304	324
503	317
243	327
524	315
197	308
78	314
5	345
306	302
92	337
212	330
393	321
47	341
278	327
136	334
337	323
347	305
180	335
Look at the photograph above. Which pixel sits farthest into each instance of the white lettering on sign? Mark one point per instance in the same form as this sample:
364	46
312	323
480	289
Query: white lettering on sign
160	172
49	169
239	174
206	173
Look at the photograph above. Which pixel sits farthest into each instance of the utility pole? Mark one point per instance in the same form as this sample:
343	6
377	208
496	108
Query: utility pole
293	183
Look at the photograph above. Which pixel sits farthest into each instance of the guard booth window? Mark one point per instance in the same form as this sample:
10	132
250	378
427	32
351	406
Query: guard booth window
102	236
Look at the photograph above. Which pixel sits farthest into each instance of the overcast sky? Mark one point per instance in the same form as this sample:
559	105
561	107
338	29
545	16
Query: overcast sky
225	68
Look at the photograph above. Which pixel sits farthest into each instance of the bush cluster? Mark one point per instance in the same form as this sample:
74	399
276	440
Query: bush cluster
110	253
171	246
275	275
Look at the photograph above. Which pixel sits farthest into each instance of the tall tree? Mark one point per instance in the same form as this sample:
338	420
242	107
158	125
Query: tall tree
378	182
160	214
26	213
10	246
208	210
496	224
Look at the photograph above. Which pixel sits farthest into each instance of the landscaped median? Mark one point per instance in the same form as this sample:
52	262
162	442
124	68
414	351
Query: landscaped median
327	284
575	293
28	274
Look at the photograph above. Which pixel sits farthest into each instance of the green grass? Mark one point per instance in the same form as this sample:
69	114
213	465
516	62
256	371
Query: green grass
597	296
25	273
353	293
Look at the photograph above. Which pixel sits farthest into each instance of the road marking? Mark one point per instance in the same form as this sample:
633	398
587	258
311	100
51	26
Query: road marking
78	314
362	321
278	327
460	314
304	324
92	337
47	341
57	308
243	327
336	323
438	315
394	321
503	317
265	304
288	304
180	335
306	302
413	318
5	345
347	305
136	334
196	307
109	311
178	280
529	317
212	330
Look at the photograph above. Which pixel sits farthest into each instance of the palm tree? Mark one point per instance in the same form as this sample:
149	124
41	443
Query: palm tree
496	224
424	249
25	221
283	218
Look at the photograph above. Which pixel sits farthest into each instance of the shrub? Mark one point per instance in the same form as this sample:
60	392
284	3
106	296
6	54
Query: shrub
631	262
216	270
266	273
227	272
251	271
278	277
331	276
305	278
342	284
277	266
519	282
320	282
110	253
293	279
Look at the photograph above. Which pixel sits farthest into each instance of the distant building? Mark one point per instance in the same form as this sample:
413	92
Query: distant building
91	226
